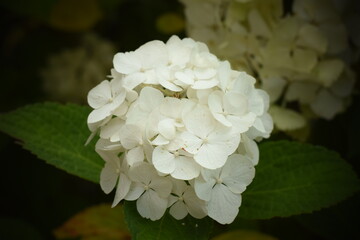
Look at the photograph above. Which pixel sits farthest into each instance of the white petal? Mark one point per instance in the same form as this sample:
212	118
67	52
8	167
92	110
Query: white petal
192	143
211	156
178	210
135	155
109	176
163	160
130	136
194	205
133	80
99	95
205	84
135	191
112	129
185	77
153	54
186	168
142	173
127	63
167	128
237	173
122	189
224	204
249	148
160	140
199	121
150	205
203	189
162	186
100	114
150	98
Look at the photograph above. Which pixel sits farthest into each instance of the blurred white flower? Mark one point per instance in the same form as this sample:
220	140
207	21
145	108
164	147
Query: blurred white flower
70	75
298	56
176	113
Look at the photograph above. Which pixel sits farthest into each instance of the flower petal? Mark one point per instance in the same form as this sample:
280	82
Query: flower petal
150	205
237	173
99	95
109	176
178	210
224	205
122	189
163	160
185	168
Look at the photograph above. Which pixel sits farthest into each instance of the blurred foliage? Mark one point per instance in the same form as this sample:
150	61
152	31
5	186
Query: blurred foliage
243	235
95	223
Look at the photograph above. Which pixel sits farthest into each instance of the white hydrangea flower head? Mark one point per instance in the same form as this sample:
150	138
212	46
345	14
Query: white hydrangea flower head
70	74
285	51
171	117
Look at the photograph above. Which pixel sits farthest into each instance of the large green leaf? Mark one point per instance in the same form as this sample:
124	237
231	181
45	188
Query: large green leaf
55	133
167	228
294	178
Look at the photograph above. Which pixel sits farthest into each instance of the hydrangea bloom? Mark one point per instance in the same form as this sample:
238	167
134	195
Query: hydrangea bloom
297	56
177	129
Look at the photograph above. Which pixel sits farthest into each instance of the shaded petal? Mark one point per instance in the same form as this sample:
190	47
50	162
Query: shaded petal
178	210
162	186
109	176
135	191
122	189
142	173
237	173
195	206
150	205
224	205
249	148
203	189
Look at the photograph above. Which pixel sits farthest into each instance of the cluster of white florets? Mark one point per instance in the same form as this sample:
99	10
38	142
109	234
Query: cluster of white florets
71	73
177	129
297	57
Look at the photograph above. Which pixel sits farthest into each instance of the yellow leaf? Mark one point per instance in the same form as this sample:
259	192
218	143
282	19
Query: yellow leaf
97	222
243	235
76	15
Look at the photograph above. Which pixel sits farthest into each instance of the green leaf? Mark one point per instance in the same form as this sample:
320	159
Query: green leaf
294	178
167	228
99	222
56	133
